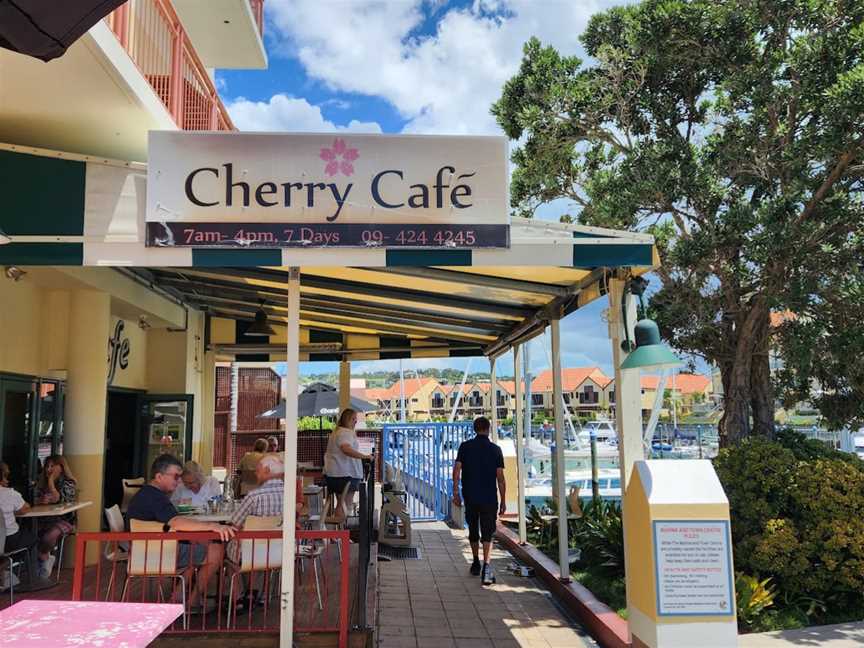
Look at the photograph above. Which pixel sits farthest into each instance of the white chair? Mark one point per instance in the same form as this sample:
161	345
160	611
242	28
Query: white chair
131	486
115	552
14	558
154	559
256	556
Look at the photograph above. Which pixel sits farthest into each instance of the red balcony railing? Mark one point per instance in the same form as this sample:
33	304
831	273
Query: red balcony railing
258	12
151	32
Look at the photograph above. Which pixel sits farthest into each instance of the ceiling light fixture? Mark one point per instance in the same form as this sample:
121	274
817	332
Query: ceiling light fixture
260	325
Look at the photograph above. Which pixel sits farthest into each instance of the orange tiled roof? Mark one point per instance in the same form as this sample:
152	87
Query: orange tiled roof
572	379
684	383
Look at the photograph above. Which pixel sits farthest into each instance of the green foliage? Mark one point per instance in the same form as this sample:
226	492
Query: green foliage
733	131
314	423
796	518
753	597
599	534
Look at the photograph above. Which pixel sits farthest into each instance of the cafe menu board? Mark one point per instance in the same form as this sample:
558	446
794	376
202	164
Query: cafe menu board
694	568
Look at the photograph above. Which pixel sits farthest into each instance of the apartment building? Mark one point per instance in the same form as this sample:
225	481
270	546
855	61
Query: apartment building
149	65
586	390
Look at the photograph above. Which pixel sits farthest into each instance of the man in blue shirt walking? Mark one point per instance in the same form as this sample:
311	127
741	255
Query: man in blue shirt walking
480	467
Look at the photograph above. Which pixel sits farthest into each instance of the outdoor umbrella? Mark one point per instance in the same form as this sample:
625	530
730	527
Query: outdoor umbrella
44	29
318	399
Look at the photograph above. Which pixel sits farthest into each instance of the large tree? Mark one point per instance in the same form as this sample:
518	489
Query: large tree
733	131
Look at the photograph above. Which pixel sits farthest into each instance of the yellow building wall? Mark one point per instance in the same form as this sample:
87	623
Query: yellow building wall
166	361
134	376
20	314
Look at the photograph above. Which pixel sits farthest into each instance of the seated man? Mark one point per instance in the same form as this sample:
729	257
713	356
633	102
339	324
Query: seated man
196	489
266	500
153	504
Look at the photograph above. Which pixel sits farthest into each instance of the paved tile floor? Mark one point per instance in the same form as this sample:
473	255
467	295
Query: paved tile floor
434	602
845	635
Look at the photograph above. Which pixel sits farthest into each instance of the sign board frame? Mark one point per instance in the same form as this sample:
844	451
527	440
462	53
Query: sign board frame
727	557
317	190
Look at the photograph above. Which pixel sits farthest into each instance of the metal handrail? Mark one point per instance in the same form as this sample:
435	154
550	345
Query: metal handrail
151	33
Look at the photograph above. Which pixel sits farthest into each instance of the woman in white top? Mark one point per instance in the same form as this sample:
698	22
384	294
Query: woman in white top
12	504
195	489
343	461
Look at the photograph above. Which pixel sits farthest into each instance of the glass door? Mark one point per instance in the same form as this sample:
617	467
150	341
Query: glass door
18	414
166	427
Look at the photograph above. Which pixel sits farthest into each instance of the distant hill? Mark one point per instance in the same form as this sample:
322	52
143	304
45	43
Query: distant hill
388	378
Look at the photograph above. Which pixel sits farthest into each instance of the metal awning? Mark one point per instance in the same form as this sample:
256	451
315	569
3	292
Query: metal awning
358	313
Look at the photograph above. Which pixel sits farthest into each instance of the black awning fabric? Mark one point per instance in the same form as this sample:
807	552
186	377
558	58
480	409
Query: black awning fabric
45	29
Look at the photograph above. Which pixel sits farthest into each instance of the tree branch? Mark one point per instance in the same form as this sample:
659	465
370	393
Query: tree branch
836	173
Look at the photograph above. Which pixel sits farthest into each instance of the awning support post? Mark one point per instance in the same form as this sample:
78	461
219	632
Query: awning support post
493	400
344	385
289	497
520	443
561	483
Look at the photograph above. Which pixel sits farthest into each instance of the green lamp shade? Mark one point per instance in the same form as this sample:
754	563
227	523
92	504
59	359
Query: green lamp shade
650	352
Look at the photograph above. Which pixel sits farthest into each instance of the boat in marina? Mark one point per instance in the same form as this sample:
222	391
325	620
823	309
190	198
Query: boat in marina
539	489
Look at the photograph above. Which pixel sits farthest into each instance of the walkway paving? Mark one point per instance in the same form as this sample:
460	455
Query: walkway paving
435	603
844	635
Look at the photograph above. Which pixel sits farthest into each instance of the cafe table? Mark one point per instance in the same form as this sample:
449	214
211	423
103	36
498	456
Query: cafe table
73	624
45	511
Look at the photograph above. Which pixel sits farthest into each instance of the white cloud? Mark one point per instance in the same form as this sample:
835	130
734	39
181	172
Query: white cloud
285	113
443	83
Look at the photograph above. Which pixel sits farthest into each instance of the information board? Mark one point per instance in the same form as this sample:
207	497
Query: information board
324	190
693	568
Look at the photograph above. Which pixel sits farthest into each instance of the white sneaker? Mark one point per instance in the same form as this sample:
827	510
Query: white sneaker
45	567
488	574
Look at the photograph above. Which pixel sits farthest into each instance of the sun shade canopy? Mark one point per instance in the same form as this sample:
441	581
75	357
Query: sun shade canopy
45	29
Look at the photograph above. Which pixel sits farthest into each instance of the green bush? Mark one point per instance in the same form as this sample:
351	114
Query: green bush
753	597
796	512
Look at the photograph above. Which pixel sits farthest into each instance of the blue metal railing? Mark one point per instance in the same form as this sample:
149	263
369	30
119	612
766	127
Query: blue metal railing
424	454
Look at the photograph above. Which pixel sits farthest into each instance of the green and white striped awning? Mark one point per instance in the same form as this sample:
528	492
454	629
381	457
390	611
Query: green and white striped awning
364	303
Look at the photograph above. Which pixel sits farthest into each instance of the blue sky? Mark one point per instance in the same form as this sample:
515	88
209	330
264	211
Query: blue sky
422	66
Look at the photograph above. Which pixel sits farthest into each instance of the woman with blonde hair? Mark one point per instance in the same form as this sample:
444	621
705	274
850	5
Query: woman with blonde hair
343	461
56	485
195	488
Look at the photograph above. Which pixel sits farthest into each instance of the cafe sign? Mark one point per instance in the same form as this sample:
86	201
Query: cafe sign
323	190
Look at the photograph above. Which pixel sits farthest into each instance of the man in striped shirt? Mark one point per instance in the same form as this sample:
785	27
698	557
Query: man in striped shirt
266	500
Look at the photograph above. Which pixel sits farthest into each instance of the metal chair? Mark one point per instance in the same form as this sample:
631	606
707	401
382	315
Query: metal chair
14	558
115	552
256	556
154	559
131	486
333	519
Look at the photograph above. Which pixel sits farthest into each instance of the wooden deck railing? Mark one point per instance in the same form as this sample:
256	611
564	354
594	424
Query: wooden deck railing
151	32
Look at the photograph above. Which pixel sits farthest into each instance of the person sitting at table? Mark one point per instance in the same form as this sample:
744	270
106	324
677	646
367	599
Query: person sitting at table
153	504
12	504
248	464
343	461
265	500
272	444
195	488
56	485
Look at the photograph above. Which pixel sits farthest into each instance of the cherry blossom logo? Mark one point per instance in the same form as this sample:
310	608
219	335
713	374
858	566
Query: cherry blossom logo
339	158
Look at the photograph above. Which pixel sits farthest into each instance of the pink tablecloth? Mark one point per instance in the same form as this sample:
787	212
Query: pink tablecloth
74	624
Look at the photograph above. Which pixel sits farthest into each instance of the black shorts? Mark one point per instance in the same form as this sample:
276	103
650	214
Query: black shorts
337	484
481	519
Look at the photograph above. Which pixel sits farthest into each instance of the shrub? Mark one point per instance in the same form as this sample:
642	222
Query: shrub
796	517
752	598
